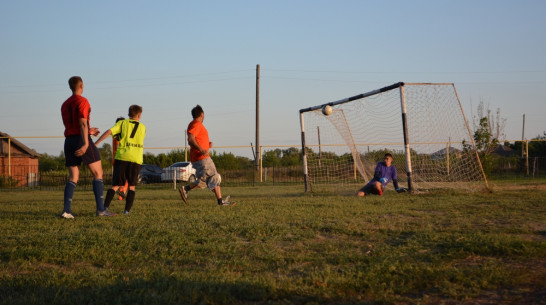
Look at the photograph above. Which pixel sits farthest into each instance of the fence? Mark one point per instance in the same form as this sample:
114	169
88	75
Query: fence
56	180
18	175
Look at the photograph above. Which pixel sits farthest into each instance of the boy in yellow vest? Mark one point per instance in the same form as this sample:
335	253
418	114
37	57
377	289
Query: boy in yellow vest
131	133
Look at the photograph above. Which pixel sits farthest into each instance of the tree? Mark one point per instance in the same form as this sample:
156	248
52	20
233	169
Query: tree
225	160
271	158
495	124
485	141
50	163
106	155
291	156
538	148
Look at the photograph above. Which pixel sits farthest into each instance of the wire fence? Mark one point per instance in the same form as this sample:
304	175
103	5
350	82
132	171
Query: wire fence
56	180
21	171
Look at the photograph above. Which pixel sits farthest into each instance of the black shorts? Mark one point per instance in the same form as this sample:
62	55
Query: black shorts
125	171
370	189
73	143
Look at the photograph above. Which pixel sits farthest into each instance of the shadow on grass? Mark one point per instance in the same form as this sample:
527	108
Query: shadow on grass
158	290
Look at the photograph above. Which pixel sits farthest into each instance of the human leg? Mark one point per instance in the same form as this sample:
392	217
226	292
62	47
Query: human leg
71	144
199	174
73	176
213	181
118	178
366	190
98	185
378	188
122	192
132	178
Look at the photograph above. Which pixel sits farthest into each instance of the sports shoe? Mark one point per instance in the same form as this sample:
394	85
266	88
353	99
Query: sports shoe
67	215
183	194
226	202
126	212
106	213
121	195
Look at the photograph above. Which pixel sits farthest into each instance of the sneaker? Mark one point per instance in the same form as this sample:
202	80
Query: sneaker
183	194
67	215
126	212
121	195
226	202
105	213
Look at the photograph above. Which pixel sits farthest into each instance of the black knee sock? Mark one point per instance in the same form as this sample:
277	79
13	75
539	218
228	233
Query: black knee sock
129	201
109	196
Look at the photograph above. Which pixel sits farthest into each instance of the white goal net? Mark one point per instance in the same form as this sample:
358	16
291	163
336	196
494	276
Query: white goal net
422	125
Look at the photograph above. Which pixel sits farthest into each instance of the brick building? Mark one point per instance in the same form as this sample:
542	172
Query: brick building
18	162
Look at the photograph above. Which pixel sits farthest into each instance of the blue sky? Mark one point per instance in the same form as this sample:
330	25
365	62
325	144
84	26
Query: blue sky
168	56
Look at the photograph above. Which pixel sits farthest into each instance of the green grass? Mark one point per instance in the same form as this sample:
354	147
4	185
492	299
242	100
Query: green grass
277	246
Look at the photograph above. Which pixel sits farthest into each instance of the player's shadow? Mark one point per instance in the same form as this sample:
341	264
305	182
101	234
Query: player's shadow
158	290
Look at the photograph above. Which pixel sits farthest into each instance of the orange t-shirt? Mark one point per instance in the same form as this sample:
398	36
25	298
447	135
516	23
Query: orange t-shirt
201	134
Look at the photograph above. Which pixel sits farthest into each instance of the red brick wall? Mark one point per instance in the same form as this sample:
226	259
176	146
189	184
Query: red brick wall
20	168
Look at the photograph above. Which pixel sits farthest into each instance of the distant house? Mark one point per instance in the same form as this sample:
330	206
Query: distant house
442	153
504	151
18	161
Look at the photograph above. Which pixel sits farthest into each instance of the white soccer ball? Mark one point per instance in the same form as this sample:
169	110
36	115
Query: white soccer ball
327	110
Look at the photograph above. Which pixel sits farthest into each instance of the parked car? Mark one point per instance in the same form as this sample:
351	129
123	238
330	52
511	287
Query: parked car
149	173
183	171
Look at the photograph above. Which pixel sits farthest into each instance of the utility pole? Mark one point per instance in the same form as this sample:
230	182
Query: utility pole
258	156
186	145
523	136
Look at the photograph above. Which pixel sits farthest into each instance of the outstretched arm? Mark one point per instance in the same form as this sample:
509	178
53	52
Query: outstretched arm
103	136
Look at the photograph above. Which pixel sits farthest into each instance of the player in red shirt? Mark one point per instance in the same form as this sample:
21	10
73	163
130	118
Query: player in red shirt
205	170
78	147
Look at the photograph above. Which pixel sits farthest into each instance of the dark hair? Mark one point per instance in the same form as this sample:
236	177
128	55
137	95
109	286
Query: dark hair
388	155
196	111
119	119
73	82
134	110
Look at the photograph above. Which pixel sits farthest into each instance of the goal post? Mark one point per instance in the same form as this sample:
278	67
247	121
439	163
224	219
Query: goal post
421	124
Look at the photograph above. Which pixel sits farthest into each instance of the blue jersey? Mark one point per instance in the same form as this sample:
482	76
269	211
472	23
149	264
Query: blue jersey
384	174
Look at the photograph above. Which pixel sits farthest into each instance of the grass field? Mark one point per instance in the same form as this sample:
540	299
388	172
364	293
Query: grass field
277	246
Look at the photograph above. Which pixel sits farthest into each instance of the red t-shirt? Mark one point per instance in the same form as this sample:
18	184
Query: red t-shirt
201	134
72	110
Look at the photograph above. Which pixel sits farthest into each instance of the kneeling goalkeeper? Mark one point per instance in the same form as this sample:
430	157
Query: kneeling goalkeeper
383	174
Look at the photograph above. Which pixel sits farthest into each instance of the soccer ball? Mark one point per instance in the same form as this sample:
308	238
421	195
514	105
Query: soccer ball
327	110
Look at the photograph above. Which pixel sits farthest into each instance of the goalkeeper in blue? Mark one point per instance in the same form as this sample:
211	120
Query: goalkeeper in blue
384	173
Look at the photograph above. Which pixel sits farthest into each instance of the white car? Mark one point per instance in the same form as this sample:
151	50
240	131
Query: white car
183	171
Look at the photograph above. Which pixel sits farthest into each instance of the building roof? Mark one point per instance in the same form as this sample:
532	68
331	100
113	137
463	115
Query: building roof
504	151
443	151
20	146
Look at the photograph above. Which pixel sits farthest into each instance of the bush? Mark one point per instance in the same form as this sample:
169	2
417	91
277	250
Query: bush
8	181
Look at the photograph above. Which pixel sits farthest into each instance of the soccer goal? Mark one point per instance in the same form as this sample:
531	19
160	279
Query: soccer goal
422	125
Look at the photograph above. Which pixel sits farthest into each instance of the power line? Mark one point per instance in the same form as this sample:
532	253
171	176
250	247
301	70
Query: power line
131	80
408	72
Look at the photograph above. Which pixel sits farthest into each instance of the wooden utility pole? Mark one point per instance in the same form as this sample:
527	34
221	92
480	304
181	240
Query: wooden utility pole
258	156
523	136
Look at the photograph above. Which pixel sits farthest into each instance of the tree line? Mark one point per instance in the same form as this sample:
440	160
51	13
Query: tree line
224	161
